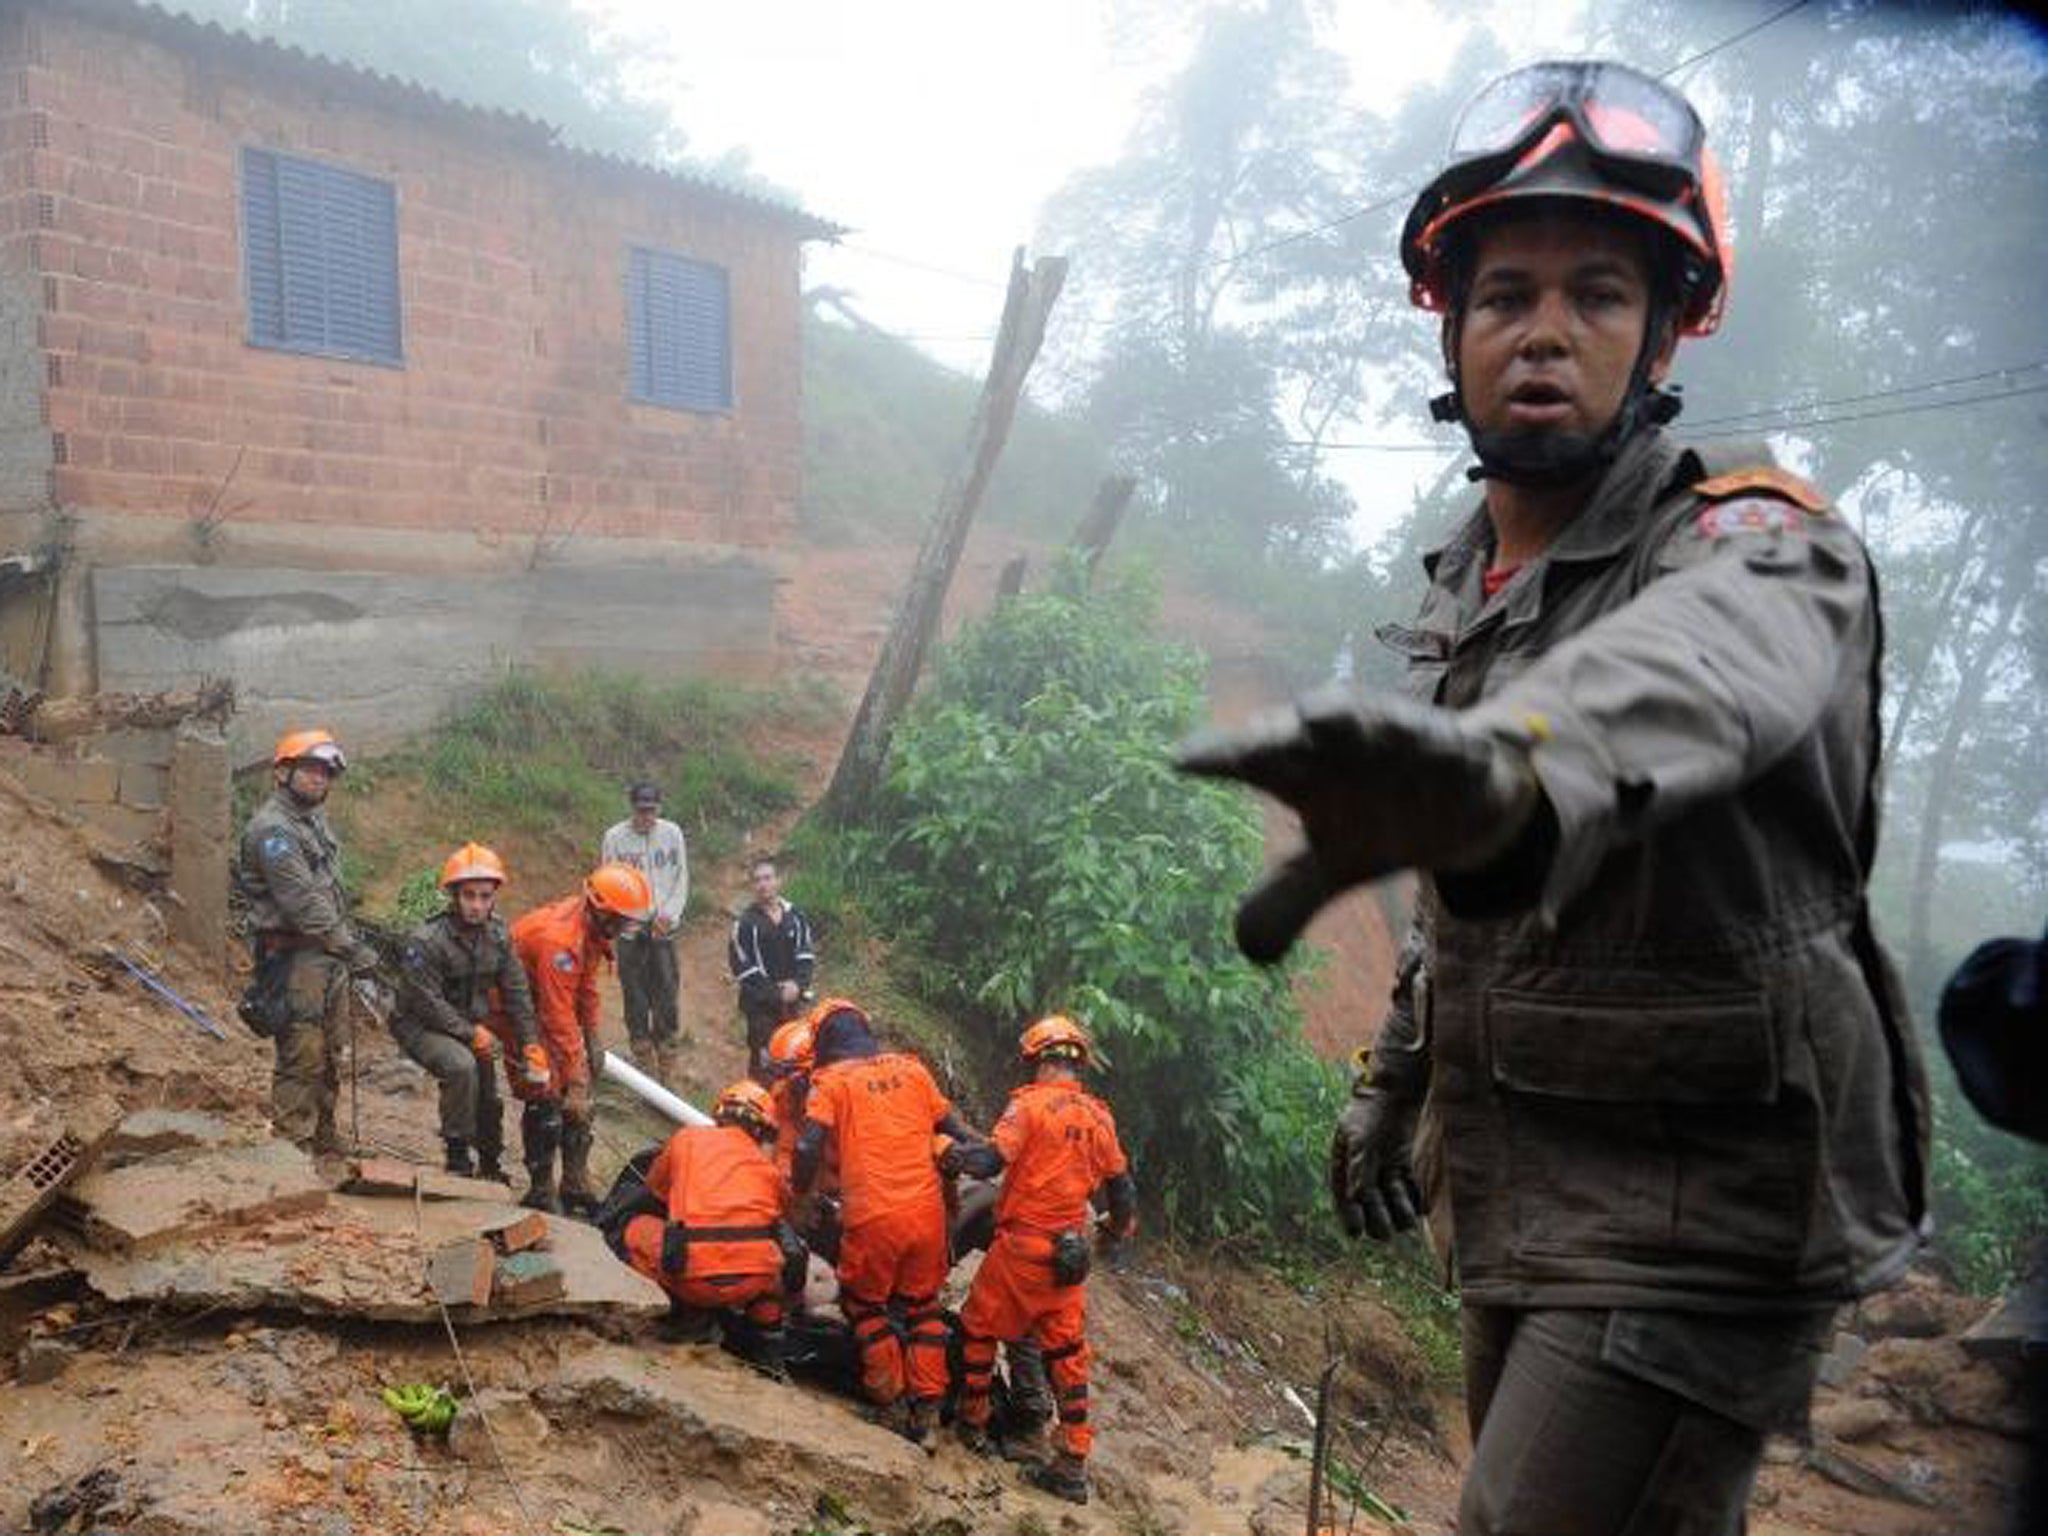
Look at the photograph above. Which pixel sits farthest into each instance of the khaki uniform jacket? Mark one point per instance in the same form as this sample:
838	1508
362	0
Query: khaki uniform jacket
457	977
290	874
1681	1074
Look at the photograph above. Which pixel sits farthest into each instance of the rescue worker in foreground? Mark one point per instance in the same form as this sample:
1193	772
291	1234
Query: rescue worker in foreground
723	1243
874	1112
1682	1109
300	937
1054	1146
464	989
563	946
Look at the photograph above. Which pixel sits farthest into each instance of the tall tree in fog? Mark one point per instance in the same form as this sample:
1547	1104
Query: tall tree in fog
1210	351
1890	199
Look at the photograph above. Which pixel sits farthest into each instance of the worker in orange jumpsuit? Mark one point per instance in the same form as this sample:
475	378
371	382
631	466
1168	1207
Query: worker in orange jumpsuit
563	946
724	1244
1054	1146
876	1111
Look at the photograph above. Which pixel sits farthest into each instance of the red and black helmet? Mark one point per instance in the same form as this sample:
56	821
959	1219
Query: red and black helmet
1587	131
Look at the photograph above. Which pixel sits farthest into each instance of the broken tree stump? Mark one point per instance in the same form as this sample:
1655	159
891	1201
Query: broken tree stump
1033	291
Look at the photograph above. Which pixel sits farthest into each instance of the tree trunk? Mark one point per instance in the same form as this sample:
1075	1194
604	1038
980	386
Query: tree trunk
1032	293
1091	537
1972	683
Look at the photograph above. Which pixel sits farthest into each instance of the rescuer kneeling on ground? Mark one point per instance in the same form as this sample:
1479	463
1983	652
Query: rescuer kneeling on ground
1055	1146
464	997
563	946
875	1112
722	1243
1682	1110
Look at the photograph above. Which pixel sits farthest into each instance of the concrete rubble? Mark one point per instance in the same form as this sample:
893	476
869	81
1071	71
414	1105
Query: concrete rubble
708	1412
255	1225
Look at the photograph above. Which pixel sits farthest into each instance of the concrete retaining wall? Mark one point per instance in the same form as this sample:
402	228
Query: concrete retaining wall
376	656
158	799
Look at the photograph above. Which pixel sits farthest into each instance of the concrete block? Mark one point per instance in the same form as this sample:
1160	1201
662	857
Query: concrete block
528	1230
201	805
154	1132
144	786
387	1176
122	824
146	1206
526	1279
460	1273
139	745
91	780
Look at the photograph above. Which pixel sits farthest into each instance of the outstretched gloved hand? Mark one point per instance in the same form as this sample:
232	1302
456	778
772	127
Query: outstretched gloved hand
484	1044
1381	783
1372	1164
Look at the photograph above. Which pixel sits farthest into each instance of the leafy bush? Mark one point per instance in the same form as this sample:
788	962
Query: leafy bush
1033	840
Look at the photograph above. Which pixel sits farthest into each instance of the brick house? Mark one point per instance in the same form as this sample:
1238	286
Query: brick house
317	379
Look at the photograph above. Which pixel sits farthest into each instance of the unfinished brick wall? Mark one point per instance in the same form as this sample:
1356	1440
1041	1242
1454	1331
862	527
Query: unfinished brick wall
510	414
160	798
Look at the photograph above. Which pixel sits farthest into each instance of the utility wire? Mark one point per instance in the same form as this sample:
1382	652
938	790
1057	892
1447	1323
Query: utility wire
1778	418
1729	42
1878	415
1875	394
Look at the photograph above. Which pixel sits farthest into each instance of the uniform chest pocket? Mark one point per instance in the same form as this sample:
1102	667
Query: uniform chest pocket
1655	1126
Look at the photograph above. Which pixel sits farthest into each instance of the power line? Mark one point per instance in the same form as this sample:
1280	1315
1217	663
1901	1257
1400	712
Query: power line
1791	412
978	279
1875	394
1730	42
1896	410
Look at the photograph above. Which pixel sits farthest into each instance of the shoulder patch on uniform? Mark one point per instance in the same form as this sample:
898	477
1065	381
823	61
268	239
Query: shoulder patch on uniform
564	960
1763	480
276	845
1752	514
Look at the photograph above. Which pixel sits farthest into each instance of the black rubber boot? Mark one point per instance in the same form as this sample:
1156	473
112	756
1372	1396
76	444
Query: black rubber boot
578	1198
540	1132
1064	1477
458	1159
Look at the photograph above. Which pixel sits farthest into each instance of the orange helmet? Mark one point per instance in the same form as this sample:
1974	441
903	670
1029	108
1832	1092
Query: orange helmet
793	1046
621	890
745	1104
1056	1038
312	746
1591	132
472	861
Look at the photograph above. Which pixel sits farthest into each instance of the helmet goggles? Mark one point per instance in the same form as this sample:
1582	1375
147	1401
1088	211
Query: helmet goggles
1636	129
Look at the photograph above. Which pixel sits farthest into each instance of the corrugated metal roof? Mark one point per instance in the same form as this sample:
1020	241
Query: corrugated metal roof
177	27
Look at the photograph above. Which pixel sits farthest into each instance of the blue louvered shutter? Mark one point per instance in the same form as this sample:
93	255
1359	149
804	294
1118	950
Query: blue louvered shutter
679	331
321	248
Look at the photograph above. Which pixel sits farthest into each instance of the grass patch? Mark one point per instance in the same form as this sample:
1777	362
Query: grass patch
538	764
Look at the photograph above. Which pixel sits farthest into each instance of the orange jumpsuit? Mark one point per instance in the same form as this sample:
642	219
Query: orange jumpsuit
562	954
1058	1143
881	1111
723	1188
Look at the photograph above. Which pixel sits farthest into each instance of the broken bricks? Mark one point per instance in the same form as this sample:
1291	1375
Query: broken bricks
35	1187
460	1273
388	1176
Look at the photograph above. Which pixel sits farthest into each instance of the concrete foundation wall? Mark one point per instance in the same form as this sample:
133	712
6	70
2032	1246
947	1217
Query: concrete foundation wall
158	799
376	656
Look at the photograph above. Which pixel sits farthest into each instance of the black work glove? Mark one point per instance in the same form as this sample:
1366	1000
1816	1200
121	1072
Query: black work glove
675	1248
1381	783
1372	1165
976	1159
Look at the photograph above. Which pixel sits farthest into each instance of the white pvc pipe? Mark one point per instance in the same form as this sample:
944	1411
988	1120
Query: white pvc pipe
628	1076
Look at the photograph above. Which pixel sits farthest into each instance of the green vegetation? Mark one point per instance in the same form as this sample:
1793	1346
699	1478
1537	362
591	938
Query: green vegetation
883	427
536	764
1036	851
1990	1190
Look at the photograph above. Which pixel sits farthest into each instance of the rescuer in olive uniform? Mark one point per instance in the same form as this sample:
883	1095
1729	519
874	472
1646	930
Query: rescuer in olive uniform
1682	1109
